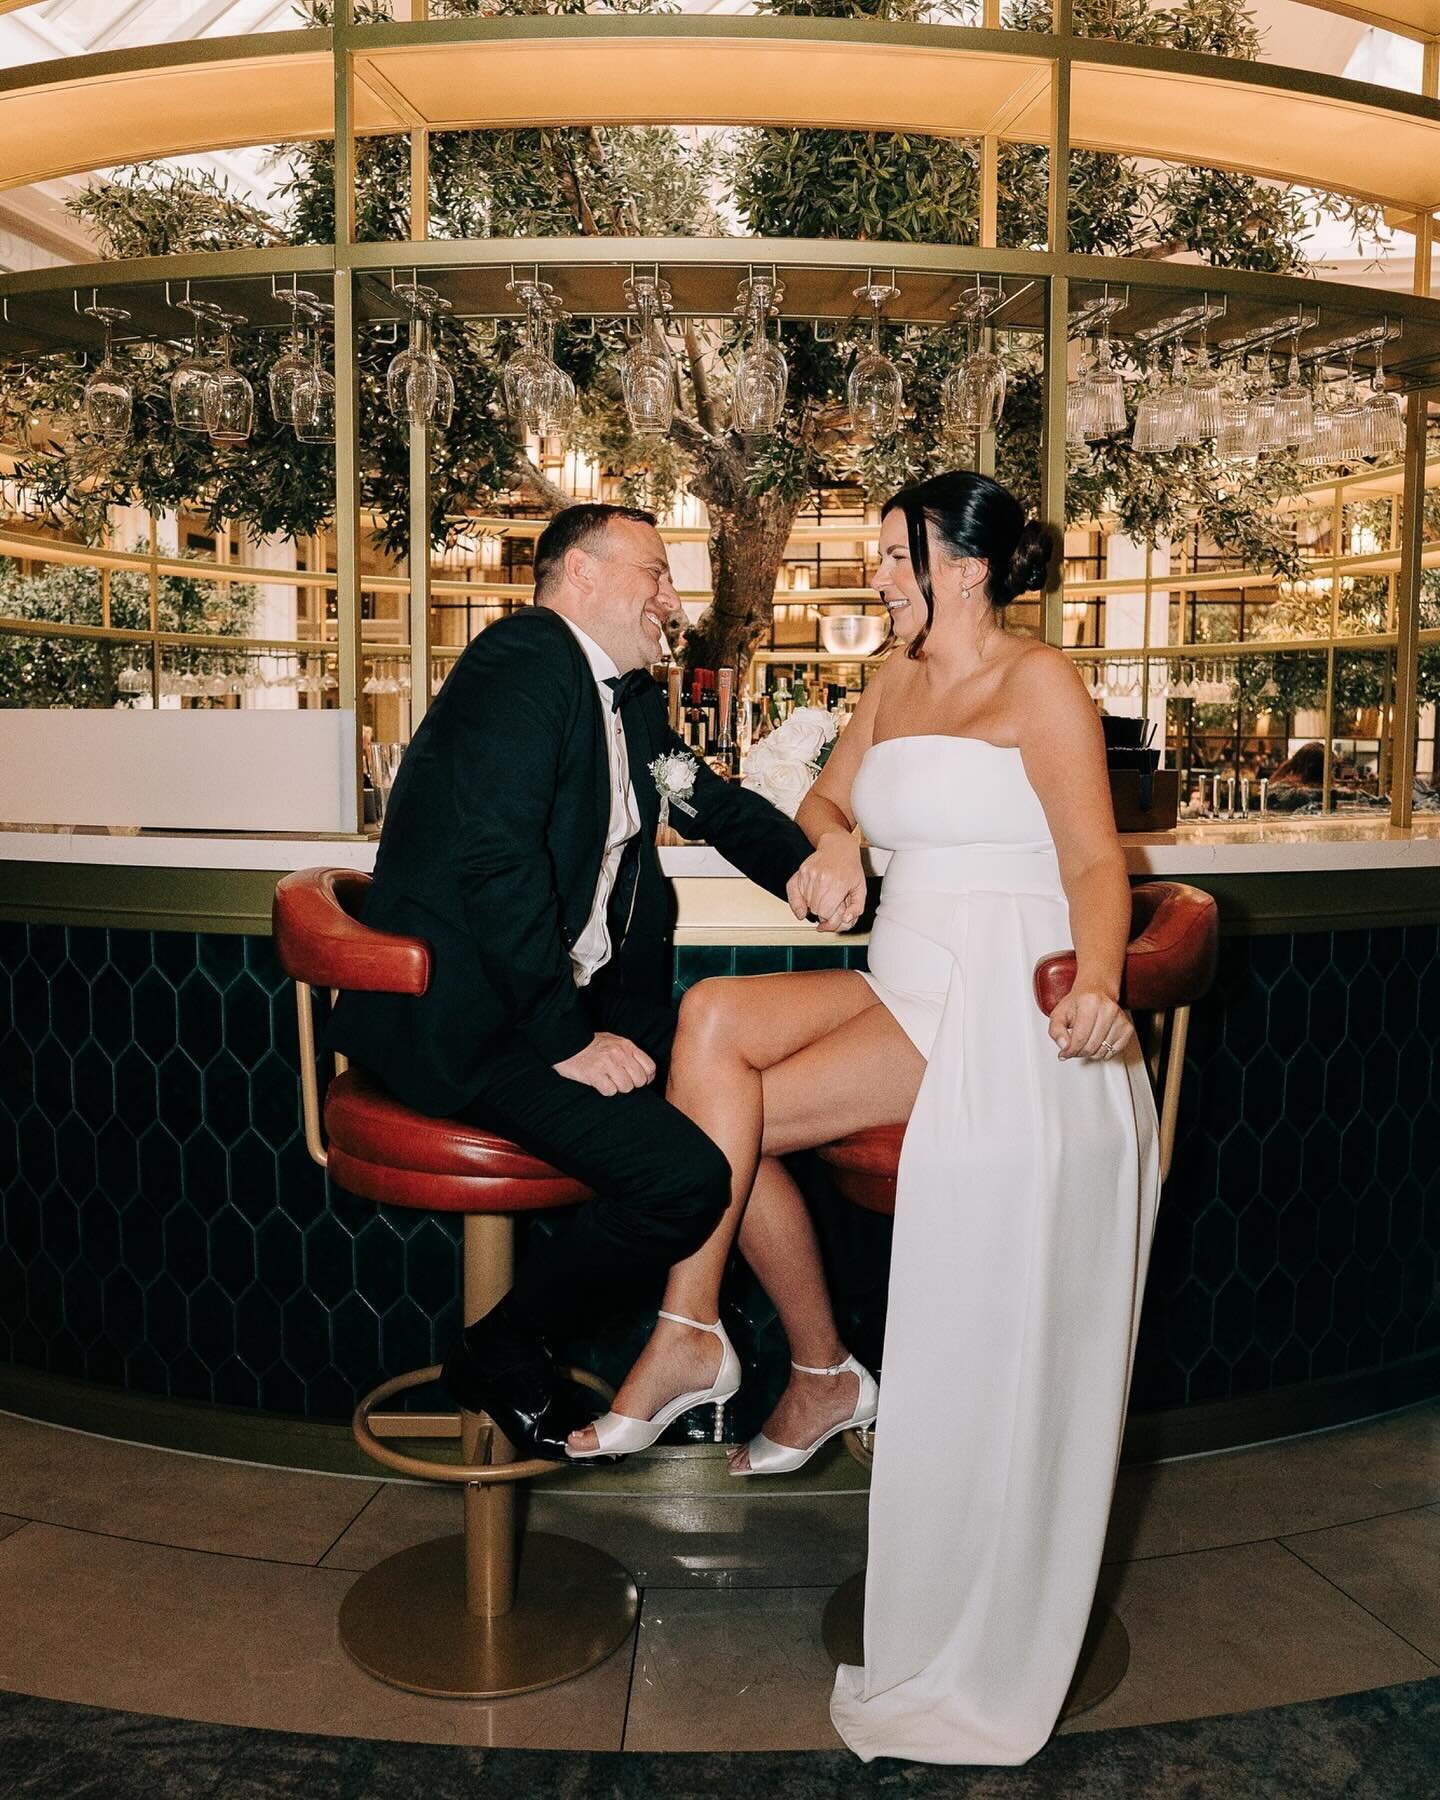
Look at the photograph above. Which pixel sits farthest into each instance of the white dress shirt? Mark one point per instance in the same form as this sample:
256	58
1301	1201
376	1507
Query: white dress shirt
592	949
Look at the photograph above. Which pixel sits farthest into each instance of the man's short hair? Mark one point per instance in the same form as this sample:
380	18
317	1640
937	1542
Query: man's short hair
575	528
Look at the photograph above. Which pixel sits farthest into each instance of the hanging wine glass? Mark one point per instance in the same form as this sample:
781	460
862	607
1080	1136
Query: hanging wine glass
525	367
1102	410
444	380
1352	432
1232	440
1323	447
1075	396
411	382
553	399
290	368
1200	414
187	381
972	396
229	397
762	375
109	398
1156	420
315	391
875	390
1382	413
647	373
1296	410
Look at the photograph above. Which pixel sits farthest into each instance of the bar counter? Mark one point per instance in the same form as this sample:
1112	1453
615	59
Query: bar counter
174	1267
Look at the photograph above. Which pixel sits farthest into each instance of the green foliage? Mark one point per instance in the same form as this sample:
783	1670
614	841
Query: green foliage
152	210
854	184
66	671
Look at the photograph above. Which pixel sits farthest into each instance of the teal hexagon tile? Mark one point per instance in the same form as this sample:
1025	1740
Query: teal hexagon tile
156	1021
173	954
201	1019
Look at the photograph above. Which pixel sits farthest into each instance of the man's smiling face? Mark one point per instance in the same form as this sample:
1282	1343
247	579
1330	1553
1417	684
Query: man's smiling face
633	597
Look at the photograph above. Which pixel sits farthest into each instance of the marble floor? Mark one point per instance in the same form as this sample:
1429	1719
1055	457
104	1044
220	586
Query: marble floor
169	1584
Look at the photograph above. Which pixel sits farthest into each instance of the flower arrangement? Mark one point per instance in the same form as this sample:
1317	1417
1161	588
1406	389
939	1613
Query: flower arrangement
782	766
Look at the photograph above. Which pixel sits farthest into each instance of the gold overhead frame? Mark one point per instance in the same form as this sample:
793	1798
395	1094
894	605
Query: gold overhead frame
989	85
416	77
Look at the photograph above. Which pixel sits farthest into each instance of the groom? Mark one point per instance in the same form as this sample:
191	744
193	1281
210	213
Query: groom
519	842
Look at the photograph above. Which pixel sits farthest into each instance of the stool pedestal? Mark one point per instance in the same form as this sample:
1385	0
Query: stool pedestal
407	1622
1104	1655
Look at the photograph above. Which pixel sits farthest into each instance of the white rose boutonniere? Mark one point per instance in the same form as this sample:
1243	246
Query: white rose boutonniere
674	778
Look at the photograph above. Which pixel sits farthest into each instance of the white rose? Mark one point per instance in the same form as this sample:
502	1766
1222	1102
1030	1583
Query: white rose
675	775
783	782
758	756
806	733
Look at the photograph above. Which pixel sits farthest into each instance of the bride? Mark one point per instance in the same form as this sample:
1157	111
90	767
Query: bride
1028	1181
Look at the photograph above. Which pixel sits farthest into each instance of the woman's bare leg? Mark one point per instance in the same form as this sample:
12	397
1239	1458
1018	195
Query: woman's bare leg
803	1096
784	1067
730	1030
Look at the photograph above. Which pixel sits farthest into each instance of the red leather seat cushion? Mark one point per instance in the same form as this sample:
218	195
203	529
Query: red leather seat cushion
385	1152
319	937
1170	960
864	1166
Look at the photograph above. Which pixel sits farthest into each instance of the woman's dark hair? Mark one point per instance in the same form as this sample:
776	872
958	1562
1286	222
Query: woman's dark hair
971	516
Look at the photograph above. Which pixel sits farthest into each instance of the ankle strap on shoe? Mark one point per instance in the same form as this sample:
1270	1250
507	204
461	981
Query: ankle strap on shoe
839	1368
715	1330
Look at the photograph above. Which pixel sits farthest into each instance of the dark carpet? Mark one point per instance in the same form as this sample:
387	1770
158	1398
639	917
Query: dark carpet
1383	1745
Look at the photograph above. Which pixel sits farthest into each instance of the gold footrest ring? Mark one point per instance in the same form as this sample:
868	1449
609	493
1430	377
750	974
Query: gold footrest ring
486	1473
1104	1655
405	1621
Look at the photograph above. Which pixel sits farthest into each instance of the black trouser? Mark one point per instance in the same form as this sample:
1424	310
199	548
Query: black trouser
660	1183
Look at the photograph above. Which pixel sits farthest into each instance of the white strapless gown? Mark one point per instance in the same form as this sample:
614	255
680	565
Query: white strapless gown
1027	1196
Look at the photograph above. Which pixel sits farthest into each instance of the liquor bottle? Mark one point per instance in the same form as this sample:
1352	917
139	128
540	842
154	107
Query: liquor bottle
725	759
780	701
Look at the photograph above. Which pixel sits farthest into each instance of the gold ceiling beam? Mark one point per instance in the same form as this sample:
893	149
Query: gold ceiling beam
80	113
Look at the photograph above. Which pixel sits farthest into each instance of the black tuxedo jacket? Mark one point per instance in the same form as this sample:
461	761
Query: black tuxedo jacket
491	848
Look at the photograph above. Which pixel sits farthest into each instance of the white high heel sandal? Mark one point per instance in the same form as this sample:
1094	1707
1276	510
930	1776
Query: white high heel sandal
769	1458
617	1434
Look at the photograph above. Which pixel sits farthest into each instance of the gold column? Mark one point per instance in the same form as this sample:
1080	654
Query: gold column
347	395
1057	321
990	157
489	1508
1425	223
419	549
1407	614
154	577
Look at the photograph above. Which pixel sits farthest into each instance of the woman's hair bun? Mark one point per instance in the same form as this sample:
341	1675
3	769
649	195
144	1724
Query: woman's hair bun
1028	566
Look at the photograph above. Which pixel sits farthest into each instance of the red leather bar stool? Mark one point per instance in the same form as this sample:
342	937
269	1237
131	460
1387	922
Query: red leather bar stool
472	1616
1169	965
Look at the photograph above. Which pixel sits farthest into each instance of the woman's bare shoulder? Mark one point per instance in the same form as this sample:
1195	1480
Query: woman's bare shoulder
1035	668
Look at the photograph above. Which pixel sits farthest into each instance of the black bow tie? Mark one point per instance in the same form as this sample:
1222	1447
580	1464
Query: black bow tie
626	687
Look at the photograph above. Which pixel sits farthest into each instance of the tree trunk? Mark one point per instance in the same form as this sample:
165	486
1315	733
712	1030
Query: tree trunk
748	534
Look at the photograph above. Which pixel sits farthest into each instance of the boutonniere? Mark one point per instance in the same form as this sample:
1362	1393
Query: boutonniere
674	778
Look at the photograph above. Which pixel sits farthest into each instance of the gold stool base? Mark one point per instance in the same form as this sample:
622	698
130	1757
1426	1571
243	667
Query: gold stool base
405	1620
1104	1655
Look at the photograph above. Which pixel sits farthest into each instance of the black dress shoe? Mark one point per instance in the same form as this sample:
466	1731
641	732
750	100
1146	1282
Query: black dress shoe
532	1402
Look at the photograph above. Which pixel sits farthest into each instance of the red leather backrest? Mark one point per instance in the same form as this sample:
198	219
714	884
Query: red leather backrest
320	939
1170	960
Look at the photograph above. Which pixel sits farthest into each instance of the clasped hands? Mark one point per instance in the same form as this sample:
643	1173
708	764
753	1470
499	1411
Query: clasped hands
829	884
